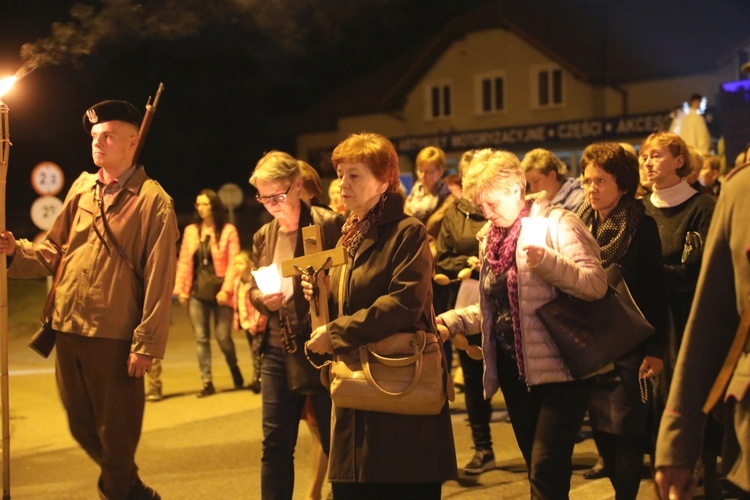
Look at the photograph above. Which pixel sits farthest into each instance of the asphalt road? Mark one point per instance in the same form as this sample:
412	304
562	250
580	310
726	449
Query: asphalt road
210	448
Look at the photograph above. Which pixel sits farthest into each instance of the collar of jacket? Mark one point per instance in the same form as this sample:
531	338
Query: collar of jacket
393	211
469	210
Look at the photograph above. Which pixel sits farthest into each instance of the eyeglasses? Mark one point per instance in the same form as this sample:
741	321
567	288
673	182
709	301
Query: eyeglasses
274	198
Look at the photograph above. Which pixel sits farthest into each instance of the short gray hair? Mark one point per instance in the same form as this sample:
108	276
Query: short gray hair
493	170
275	166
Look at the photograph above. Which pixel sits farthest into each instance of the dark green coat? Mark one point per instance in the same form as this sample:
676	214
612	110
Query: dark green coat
389	291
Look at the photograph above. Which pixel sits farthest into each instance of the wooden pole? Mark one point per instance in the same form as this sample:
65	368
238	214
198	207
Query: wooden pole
4	387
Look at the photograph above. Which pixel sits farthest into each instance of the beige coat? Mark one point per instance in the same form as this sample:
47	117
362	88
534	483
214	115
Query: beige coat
98	295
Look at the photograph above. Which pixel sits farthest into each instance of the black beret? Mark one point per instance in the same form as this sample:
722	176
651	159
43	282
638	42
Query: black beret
107	111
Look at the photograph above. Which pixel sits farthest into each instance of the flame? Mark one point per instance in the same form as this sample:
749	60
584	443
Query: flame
6	84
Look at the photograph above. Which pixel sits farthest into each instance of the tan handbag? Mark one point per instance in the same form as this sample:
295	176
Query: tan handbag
405	373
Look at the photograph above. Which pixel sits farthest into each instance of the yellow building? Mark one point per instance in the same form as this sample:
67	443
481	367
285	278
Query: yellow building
542	73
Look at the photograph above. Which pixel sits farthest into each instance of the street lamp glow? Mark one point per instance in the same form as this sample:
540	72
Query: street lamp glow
6	84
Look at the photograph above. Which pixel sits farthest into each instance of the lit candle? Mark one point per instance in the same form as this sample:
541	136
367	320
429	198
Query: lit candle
534	230
268	279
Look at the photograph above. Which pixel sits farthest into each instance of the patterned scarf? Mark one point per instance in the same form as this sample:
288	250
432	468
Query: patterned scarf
354	230
501	257
616	232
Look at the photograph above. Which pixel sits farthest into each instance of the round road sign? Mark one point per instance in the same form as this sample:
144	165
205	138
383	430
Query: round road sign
231	195
47	178
44	211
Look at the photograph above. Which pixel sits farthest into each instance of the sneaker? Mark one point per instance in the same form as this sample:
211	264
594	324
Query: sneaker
208	389
483	461
154	394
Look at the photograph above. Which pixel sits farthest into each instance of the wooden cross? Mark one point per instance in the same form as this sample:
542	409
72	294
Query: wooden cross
313	262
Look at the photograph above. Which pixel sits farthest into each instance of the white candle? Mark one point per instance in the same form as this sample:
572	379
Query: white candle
535	230
268	279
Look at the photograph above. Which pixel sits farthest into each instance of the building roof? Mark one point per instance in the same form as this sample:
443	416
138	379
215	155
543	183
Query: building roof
606	42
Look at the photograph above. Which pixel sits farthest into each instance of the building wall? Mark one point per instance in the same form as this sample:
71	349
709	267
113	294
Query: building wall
502	51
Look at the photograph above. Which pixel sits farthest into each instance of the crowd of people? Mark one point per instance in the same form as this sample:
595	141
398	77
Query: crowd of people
650	211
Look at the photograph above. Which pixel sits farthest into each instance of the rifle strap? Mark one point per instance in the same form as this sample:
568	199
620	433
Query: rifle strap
49	303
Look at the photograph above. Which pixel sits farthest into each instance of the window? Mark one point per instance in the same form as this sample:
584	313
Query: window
490	93
547	86
439	100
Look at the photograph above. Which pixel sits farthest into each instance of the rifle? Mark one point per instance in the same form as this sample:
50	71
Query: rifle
43	340
148	116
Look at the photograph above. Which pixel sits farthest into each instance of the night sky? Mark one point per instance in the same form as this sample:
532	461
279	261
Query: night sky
235	73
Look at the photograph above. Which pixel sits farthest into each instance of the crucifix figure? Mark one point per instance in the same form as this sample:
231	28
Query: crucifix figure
312	263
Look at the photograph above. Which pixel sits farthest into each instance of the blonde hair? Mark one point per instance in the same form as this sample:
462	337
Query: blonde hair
311	182
276	166
493	170
545	162
696	159
676	146
432	154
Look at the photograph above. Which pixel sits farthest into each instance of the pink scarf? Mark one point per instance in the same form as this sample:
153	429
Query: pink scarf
501	257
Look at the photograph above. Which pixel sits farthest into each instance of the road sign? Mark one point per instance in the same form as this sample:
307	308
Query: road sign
47	178
231	195
44	211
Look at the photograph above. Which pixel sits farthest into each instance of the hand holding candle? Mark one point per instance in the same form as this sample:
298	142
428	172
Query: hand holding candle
268	279
534	231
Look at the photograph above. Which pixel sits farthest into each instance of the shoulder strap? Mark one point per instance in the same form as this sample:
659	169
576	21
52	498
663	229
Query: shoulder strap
733	356
111	235
48	304
342	287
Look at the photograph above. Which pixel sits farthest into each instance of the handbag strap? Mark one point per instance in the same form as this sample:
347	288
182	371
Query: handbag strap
364	358
418	346
342	279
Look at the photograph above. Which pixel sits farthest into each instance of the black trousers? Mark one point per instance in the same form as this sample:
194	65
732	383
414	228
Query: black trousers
546	419
386	491
623	456
478	409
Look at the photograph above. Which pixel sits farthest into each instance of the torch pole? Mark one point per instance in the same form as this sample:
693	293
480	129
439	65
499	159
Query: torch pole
4	388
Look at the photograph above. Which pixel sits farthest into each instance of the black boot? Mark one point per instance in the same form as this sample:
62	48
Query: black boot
208	389
239	382
139	491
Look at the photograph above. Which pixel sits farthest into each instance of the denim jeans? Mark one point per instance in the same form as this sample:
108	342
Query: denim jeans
281	415
200	317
